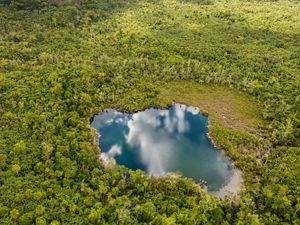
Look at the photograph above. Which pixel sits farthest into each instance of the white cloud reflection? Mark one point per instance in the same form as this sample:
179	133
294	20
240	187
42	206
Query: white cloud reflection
193	110
156	145
112	153
154	150
176	122
107	117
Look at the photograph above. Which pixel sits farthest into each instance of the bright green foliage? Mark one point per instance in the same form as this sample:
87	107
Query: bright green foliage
62	61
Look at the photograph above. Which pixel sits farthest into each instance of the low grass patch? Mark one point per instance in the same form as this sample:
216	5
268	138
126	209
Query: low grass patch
230	108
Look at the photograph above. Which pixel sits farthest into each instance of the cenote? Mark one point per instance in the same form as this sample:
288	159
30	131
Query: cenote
162	141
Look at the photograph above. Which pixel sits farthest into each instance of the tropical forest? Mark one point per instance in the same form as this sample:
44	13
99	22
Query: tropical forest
130	112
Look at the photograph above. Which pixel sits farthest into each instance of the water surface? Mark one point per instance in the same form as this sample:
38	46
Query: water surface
161	141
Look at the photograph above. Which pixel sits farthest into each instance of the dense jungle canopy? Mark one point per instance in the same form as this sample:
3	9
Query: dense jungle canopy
61	61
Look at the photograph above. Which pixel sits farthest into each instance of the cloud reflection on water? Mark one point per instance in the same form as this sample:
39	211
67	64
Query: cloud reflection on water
155	150
163	141
156	146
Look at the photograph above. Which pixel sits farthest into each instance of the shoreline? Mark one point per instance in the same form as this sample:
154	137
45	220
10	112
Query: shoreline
232	189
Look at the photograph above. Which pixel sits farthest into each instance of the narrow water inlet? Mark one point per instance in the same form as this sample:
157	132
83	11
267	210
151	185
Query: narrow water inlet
162	141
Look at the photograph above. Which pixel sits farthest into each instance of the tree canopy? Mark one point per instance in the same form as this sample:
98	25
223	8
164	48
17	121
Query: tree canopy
63	61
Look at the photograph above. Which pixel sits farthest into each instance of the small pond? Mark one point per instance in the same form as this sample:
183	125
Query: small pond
161	141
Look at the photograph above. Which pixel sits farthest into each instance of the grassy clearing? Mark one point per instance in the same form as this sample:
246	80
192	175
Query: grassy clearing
230	108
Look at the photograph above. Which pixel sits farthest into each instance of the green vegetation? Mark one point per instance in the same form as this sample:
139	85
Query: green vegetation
230	108
62	61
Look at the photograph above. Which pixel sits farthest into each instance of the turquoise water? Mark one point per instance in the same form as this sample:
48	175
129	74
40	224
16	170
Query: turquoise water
161	141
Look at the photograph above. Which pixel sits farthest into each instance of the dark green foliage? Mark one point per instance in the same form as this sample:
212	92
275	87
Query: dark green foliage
6	2
200	2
